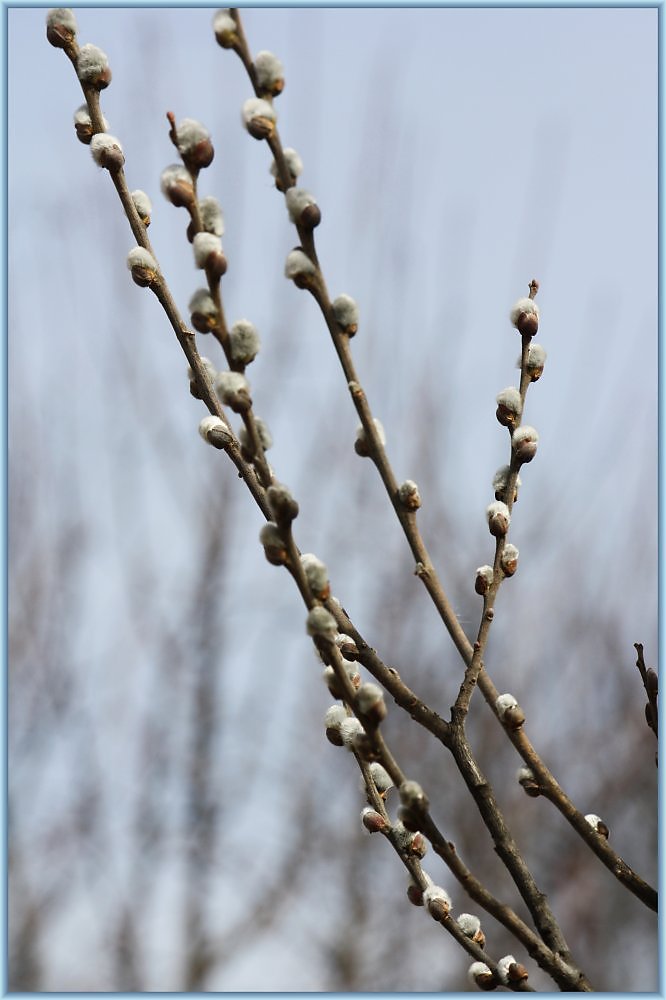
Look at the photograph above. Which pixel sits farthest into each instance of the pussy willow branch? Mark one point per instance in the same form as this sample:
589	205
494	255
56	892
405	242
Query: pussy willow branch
187	341
415	869
479	788
219	330
424	566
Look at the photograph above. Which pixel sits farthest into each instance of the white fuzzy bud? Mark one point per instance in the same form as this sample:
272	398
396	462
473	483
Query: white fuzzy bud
524	441
224	27
83	124
480	975
189	133
142	205
484	578
294	165
345	312
509	406
316	575
212	219
525	317
321	622
348	730
437	901
265	437
300	269
176	185
501	481
361	446
536	359
369	702
203	311
509	561
503	968
381	777
269	73
597	824
107	151
275	549
212	427
143	266
60	26
92	67
203	245
409	496
469	924
347	646
244	342
333	719
527	780
259	117
509	711
335	716
499	518
234	391
302	207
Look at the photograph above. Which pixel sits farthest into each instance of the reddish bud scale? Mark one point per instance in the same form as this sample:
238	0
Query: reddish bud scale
200	156
414	894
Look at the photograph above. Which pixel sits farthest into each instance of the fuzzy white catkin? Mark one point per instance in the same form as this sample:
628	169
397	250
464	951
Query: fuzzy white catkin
142	203
63	16
189	133
298	263
140	257
223	23
90	63
315	572
335	716
293	161
297	199
82	117
435	892
265	436
211	216
257	107
321	622
349	728
209	424
202	302
268	69
379	427
510	398
229	384
174	174
203	245
244	341
380	776
523	306
504	703
101	144
469	924
477	969
503	968
536	357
